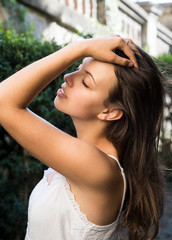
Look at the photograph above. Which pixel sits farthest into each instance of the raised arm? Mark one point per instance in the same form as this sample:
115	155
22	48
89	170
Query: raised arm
20	89
23	86
43	140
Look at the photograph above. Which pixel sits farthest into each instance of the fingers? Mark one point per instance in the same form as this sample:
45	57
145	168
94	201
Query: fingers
132	45
129	48
130	53
121	61
103	49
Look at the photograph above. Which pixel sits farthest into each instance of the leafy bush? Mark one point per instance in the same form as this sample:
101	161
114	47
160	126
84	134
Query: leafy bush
16	15
19	171
167	58
165	63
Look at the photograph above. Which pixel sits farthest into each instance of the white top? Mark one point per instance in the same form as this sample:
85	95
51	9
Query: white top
53	213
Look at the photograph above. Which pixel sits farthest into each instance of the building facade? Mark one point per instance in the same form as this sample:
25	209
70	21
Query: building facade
67	20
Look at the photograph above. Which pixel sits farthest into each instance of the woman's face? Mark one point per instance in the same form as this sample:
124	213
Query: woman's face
83	92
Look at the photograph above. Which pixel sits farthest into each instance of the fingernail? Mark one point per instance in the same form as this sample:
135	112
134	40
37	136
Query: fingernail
130	64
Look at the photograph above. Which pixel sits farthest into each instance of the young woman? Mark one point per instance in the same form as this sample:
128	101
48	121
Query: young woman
115	100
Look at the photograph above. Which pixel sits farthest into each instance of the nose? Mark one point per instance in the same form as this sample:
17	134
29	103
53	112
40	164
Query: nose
68	79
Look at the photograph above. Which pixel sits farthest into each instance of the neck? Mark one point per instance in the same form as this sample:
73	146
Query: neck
93	132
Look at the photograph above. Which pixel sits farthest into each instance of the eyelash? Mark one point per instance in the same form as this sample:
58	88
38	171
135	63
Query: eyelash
84	84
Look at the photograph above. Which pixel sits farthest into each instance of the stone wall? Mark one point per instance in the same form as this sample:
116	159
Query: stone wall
64	19
60	19
159	36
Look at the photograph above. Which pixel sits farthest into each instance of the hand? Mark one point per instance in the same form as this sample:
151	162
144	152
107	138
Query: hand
103	49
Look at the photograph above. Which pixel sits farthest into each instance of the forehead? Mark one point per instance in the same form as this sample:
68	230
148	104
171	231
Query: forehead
102	72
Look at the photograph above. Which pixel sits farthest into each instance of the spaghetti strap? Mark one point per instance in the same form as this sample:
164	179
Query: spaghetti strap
116	161
124	179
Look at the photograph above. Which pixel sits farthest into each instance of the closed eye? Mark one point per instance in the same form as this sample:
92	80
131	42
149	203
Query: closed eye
83	82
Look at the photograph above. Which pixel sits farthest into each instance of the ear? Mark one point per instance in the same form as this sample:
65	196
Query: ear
110	114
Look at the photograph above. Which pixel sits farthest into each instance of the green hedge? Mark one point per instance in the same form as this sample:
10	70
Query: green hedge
167	58
165	63
19	171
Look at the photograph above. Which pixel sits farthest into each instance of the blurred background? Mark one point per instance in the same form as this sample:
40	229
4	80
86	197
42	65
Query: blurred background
32	29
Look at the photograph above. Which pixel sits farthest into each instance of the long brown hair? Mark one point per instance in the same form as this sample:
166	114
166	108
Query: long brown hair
140	95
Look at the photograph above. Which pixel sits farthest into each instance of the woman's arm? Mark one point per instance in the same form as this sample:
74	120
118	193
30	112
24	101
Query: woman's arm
20	89
47	143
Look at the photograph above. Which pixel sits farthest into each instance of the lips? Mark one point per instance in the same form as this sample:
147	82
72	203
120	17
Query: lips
61	93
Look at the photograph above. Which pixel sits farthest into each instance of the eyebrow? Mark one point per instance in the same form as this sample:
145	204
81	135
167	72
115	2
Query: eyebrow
90	75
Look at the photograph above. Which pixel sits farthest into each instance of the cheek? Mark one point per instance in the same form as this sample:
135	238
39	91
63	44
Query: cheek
89	105
81	104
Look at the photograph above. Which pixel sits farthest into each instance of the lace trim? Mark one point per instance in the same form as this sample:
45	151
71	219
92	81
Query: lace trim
82	215
75	205
48	172
50	175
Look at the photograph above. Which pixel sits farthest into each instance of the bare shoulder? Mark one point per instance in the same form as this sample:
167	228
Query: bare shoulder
114	174
77	160
101	198
94	168
101	173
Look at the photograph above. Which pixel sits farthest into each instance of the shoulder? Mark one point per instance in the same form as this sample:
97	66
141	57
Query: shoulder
101	172
101	195
114	172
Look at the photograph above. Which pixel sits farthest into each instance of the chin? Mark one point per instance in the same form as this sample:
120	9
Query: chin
57	104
